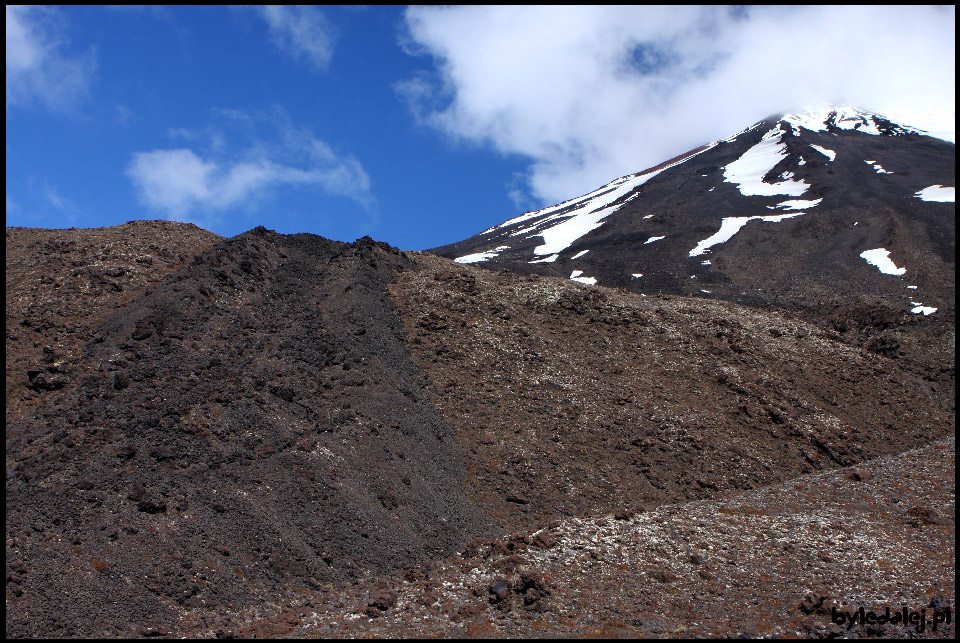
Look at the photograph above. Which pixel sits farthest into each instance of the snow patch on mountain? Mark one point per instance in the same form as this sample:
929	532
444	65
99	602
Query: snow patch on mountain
731	226
549	259
747	172
877	167
481	256
796	204
858	122
920	308
587	203
830	154
575	275
938	193
562	235
880	257
587	213
652	239
591	201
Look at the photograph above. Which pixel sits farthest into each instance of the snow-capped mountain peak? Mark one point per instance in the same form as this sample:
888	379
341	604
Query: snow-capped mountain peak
841	181
832	119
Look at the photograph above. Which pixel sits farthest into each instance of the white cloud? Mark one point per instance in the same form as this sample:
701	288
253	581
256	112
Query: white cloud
175	181
593	93
38	69
60	203
303	32
182	183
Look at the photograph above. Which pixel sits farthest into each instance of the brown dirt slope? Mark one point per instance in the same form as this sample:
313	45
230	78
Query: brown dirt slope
62	283
573	400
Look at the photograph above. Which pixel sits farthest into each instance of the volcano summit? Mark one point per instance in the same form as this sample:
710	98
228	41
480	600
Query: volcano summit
810	208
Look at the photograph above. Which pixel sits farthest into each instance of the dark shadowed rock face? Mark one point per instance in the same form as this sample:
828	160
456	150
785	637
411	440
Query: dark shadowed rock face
250	427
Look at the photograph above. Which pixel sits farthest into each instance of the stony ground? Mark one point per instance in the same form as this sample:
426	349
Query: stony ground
62	283
574	400
286	436
768	563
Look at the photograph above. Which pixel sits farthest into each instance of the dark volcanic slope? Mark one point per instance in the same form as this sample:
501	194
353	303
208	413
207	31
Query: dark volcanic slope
248	429
842	190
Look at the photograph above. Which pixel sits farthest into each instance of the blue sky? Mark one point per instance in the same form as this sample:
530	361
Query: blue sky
420	126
